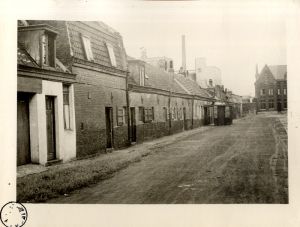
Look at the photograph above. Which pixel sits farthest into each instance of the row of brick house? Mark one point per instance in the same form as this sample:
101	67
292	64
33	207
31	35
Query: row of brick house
80	94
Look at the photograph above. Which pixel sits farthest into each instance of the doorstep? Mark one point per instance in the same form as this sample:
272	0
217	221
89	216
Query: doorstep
53	162
29	169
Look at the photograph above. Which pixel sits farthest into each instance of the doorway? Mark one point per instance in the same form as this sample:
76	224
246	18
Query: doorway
109	127
50	124
23	129
221	115
132	125
184	119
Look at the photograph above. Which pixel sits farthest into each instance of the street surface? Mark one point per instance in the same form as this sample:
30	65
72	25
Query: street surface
242	163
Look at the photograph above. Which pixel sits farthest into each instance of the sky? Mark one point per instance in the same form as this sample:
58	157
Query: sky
234	37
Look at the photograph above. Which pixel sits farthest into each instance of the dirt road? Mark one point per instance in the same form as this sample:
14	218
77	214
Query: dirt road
242	163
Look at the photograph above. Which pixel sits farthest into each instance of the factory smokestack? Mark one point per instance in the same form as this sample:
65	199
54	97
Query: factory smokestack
183	53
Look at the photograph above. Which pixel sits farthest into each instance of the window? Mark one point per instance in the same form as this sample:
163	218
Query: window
271	104
141	114
87	48
149	114
278	91
121	116
262	104
227	111
285	104
270	91
179	115
111	54
48	57
262	92
174	114
171	64
142	76
284	91
66	104
165	114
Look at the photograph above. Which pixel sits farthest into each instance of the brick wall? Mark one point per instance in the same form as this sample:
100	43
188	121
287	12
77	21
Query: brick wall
93	93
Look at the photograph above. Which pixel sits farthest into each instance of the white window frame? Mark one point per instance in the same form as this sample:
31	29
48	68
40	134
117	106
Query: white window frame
87	48
45	54
271	92
111	54
278	91
284	91
66	107
142	76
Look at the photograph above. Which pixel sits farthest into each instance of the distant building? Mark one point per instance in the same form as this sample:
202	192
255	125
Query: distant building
249	104
271	88
163	63
207	76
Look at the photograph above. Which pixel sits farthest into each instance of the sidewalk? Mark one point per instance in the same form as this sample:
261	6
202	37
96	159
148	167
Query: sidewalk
38	184
35	168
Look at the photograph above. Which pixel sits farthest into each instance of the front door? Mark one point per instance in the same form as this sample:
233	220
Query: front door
109	127
221	115
132	124
50	122
23	133
184	119
206	116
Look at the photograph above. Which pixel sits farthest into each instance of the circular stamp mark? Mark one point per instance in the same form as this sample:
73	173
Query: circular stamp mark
13	214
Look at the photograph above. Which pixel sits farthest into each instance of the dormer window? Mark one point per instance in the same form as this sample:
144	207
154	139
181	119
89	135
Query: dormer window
48	49
142	76
87	48
111	54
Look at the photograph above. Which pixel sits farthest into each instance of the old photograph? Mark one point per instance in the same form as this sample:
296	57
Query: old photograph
163	109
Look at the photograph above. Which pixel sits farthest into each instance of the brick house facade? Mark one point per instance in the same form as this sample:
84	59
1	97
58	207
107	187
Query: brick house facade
162	103
271	88
95	52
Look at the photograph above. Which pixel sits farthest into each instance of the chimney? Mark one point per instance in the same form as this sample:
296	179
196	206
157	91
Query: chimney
183	53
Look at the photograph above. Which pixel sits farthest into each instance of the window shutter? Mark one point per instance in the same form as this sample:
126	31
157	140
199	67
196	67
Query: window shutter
125	115
152	110
119	116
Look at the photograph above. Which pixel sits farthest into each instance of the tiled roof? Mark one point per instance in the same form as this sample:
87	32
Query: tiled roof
25	59
157	78
191	86
279	71
99	34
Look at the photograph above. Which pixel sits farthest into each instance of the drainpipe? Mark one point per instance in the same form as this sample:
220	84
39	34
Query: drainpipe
170	113
127	109
192	111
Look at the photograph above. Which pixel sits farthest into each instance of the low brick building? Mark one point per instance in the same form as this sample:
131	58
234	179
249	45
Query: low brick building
162	103
46	132
95	52
271	88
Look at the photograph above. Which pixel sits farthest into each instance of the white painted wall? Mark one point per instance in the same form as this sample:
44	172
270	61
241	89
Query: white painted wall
69	141
65	139
204	73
